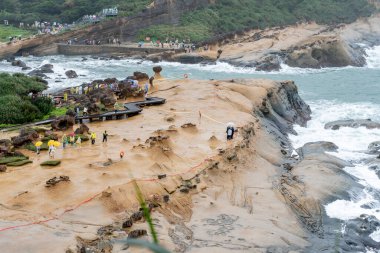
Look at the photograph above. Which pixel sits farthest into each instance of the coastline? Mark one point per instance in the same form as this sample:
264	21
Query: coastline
230	186
306	45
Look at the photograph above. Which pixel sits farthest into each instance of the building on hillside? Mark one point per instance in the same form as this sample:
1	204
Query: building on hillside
110	12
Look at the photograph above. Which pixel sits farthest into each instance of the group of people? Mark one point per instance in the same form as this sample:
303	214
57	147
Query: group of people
71	140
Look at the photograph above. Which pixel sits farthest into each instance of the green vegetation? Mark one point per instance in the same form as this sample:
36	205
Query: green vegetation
237	15
28	11
12	159
19	163
56	112
10	31
16	107
51	163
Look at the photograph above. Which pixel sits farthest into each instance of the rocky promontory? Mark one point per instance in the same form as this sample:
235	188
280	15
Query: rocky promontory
204	192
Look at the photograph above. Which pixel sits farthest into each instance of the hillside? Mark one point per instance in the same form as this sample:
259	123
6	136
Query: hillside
218	17
67	11
227	16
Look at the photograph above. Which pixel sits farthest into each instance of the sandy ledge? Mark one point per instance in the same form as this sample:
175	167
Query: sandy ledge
247	195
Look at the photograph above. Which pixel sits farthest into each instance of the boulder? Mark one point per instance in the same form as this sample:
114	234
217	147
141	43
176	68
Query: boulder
3	168
157	73
71	74
47	68
27	135
38	73
374	147
26	68
83	129
157	69
269	63
141	76
19	63
357	236
110	80
70	113
10	59
6	146
368	123
63	123
108	99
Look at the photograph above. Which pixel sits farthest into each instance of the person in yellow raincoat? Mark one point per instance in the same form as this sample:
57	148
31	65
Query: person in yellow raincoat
93	138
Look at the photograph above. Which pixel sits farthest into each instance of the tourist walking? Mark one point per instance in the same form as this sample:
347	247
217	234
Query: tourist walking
64	141
93	138
85	111
105	136
230	131
51	151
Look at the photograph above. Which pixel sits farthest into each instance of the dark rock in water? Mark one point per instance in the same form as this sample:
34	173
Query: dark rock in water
316	151
319	146
84	59
26	68
63	122
27	135
375	168
83	129
190	59
11	59
3	168
374	147
47	68
71	74
369	124
357	234
38	73
268	64
19	63
113	57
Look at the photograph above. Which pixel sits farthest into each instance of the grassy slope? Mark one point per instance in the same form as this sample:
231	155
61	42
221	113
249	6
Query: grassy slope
67	11
236	15
8	31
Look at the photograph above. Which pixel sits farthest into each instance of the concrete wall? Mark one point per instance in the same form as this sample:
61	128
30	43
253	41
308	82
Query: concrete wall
105	49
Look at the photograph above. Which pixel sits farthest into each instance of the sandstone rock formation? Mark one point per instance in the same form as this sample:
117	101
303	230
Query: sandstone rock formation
368	123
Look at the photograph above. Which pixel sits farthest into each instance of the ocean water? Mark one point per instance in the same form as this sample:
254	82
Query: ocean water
333	94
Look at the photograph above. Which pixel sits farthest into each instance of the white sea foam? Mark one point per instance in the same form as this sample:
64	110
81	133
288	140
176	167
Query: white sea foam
352	143
373	57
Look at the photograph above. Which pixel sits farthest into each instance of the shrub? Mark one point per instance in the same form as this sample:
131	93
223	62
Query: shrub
51	163
44	104
19	163
16	107
12	159
15	110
